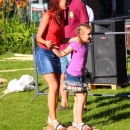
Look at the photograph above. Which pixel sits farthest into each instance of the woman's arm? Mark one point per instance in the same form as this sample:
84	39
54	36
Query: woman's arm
63	53
41	29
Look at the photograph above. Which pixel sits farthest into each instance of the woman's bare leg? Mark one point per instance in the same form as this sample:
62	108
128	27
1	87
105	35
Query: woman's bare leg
53	81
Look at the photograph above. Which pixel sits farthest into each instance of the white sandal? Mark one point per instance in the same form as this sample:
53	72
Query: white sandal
55	125
83	126
74	125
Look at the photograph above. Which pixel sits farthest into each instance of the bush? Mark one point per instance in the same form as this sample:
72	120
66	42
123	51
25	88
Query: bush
15	33
16	36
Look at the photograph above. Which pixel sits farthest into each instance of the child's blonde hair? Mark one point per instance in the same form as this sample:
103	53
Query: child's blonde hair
80	30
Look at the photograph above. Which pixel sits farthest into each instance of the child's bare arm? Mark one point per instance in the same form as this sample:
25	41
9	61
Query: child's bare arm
62	53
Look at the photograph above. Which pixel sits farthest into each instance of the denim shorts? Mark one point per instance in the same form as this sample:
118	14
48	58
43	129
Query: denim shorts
47	62
75	78
65	62
75	84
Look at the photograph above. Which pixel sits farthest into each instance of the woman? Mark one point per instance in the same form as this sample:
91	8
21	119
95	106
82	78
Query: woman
50	32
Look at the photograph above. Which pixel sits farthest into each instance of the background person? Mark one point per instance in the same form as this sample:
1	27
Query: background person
113	3
75	80
75	15
90	13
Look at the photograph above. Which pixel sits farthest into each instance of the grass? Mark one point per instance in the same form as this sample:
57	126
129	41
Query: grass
17	112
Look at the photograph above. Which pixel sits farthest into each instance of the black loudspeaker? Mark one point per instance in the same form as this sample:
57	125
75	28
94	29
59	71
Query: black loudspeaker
108	53
89	68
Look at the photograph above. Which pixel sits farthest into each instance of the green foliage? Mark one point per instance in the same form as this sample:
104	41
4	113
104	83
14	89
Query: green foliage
15	29
16	36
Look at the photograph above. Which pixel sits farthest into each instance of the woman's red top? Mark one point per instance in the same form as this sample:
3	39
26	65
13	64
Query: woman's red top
53	32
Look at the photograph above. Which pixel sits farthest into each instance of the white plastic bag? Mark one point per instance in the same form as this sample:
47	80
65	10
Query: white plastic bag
26	82
15	86
27	79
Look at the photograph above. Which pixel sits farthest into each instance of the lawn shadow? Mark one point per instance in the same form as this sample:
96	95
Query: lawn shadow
116	108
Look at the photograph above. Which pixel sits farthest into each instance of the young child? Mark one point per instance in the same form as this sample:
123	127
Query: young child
75	81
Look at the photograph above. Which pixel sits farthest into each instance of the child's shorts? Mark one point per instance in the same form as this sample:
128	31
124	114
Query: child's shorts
75	84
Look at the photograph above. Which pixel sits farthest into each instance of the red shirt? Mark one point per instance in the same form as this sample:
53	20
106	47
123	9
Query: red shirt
53	32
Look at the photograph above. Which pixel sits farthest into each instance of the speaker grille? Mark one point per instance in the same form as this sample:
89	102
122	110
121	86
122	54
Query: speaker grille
109	65
105	69
105	45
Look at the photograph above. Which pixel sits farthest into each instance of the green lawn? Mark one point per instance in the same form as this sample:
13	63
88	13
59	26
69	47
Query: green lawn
17	112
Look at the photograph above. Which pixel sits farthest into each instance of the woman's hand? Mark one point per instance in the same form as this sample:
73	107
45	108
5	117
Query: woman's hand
48	44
